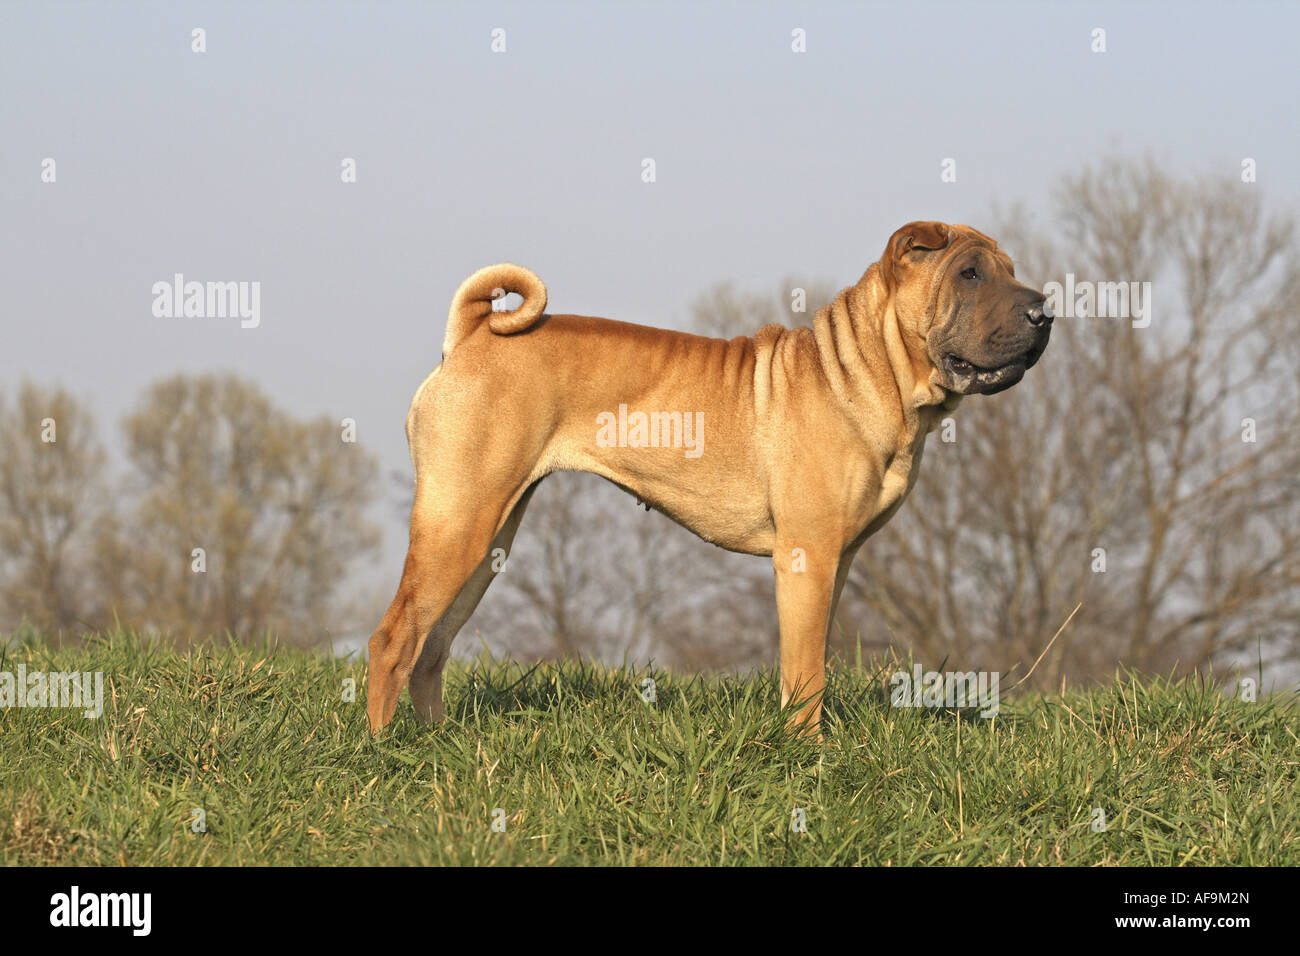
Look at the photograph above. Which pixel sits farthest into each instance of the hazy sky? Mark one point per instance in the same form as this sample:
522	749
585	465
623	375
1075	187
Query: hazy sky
225	165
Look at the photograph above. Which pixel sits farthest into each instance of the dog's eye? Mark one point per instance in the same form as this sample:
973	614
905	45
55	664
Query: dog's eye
969	274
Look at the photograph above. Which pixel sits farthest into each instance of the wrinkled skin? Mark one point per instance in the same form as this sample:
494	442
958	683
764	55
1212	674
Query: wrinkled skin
983	328
811	436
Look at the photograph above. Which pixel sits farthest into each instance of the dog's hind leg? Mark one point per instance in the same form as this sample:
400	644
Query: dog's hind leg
447	547
426	677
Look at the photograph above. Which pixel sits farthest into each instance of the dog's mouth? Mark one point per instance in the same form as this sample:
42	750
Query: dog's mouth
969	378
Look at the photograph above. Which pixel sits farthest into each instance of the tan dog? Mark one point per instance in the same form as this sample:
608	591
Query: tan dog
796	443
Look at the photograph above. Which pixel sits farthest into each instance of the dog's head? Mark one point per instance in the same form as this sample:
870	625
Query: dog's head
957	291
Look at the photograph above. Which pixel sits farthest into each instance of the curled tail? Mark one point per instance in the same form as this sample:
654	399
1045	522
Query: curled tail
472	303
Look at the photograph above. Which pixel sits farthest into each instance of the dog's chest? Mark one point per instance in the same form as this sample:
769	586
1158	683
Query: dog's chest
902	465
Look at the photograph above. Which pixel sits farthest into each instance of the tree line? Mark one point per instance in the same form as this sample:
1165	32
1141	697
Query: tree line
1146	469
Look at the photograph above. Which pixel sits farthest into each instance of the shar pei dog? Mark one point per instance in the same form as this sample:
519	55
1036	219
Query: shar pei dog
794	444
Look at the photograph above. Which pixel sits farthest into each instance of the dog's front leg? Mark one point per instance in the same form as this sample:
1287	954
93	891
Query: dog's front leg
805	588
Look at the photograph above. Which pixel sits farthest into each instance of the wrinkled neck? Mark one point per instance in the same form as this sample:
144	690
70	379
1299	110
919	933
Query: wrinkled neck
914	373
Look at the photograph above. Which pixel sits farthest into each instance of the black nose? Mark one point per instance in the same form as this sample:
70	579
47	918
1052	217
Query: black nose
1040	315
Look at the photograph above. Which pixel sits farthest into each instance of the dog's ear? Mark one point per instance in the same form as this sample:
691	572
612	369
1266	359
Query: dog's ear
915	237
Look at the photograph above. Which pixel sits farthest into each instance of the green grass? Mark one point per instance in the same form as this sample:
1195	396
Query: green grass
587	772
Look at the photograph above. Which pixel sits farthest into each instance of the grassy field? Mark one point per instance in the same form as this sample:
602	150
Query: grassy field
585	771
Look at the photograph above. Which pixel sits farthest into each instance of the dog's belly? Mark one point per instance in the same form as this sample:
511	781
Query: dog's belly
729	527
728	524
730	511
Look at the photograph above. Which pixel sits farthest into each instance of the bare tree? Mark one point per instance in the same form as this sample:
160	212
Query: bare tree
1148	471
238	519
51	488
